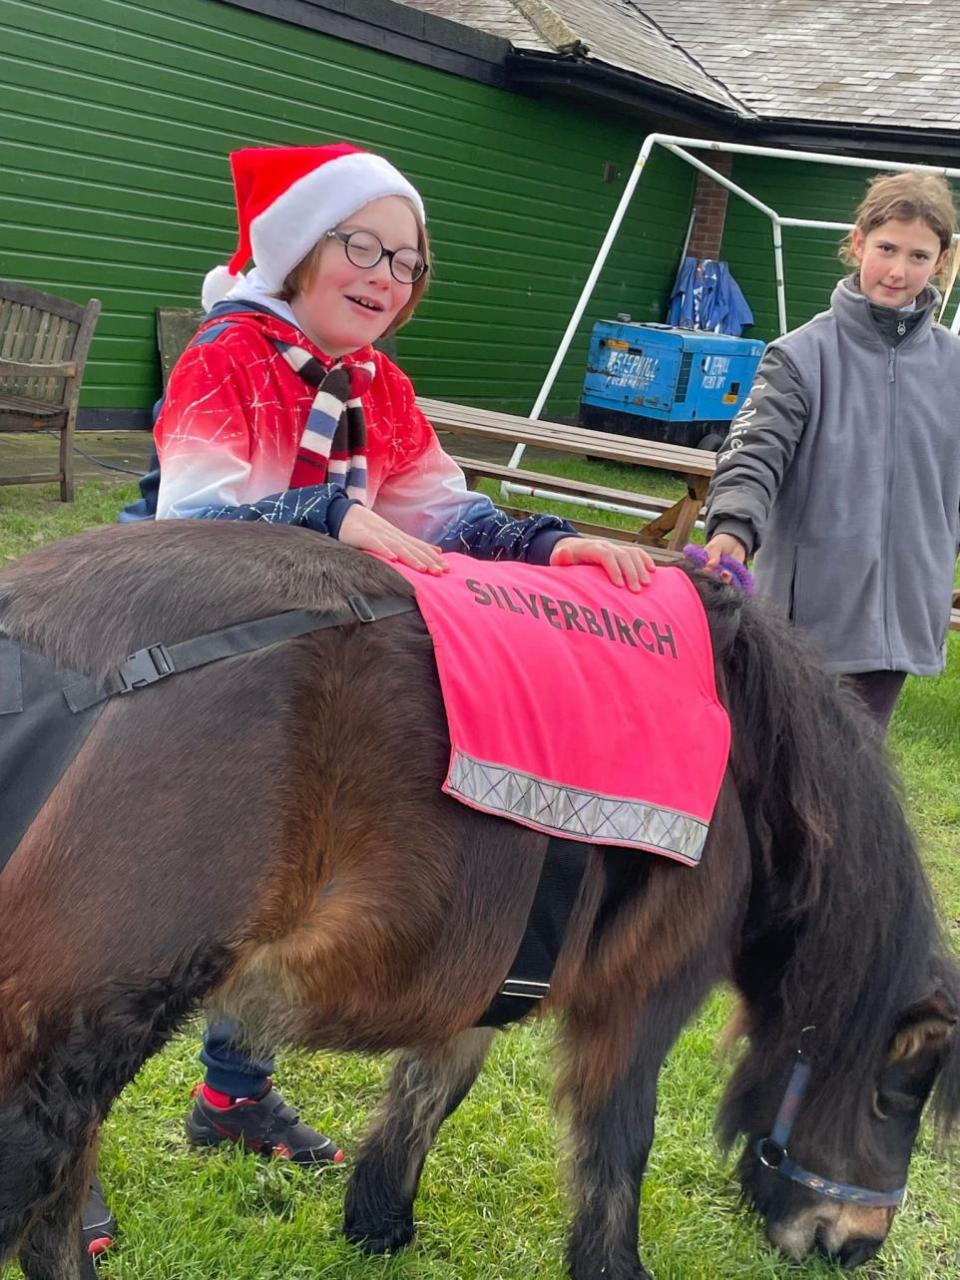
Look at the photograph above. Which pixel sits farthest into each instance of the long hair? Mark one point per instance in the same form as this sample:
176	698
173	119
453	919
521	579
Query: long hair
826	820
905	197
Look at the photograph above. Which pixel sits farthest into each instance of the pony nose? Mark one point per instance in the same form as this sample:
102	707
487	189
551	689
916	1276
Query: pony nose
852	1253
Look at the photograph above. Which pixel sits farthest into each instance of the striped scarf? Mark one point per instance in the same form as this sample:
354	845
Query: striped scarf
333	447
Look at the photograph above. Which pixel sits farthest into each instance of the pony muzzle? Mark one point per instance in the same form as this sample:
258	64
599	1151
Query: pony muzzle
846	1234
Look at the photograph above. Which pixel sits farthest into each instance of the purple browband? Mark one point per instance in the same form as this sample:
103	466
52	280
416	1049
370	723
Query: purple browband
740	575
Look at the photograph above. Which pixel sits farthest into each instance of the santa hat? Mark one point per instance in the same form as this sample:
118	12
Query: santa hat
288	197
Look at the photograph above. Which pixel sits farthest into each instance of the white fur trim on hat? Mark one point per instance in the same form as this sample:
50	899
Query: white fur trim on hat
283	234
217	284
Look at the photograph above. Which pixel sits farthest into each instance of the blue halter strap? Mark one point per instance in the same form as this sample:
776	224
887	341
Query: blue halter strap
773	1154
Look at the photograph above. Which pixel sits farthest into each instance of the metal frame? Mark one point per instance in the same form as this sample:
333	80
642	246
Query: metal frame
681	147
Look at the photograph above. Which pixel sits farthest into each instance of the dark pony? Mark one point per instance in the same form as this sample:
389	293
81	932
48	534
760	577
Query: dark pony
275	842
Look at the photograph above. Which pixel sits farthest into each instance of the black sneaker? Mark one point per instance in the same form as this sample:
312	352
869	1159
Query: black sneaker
97	1222
267	1125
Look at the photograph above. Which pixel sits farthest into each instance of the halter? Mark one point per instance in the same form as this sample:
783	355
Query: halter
772	1150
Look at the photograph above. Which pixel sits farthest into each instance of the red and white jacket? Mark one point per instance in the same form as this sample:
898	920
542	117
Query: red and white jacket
230	423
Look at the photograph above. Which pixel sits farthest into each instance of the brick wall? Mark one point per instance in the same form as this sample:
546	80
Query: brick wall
710	202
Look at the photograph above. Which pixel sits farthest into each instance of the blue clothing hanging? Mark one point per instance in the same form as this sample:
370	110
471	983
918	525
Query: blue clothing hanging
706	296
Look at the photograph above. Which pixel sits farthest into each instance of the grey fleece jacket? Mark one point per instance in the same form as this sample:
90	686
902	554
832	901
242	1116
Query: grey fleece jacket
844	463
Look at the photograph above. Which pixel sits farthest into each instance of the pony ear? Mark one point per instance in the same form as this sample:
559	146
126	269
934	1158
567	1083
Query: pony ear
928	1024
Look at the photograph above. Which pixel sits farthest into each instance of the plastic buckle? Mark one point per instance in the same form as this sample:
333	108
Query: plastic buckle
361	607
144	667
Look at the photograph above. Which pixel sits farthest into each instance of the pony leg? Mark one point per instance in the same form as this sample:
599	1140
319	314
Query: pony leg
612	1130
50	1116
48	1134
53	1247
424	1090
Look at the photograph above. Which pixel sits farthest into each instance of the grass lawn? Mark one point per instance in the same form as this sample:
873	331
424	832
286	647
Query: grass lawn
492	1203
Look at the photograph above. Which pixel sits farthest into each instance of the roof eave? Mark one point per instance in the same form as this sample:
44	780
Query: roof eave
618	89
901	142
614	88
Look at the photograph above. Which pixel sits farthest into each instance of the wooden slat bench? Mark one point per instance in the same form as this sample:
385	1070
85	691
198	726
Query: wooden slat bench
44	342
666	533
476	468
670	528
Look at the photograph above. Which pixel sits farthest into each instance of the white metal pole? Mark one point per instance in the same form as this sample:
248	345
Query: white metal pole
686	239
677	144
722	179
951	281
778	270
642	512
815	224
816	157
604	250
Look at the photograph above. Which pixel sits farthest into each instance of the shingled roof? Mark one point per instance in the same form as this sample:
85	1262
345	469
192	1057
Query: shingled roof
892	63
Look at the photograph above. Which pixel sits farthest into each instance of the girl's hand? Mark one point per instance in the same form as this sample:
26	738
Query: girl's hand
724	544
363	529
627	564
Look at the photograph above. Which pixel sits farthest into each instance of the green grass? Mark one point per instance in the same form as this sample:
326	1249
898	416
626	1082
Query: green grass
31	515
492	1204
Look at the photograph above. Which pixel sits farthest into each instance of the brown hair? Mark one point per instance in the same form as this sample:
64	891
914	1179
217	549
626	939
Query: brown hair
302	275
905	197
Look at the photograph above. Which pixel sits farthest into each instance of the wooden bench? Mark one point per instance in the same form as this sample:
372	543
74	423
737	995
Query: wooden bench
44	341
672	522
666	533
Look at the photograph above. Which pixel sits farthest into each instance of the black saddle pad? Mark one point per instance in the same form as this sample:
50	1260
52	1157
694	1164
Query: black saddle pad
39	736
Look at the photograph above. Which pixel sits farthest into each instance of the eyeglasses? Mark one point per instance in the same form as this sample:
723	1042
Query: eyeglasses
364	249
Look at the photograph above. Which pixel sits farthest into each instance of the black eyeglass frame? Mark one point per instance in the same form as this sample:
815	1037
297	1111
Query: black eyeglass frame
345	237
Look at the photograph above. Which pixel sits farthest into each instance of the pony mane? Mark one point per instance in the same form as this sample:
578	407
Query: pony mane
841	931
88	601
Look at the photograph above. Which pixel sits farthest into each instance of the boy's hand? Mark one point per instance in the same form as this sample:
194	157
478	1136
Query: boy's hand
724	544
363	529
627	564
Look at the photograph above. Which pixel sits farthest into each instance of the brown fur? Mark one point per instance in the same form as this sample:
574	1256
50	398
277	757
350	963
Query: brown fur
274	840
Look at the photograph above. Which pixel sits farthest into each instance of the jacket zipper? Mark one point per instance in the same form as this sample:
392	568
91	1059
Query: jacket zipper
888	495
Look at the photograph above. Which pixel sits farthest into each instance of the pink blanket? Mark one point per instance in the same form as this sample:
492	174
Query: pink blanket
577	707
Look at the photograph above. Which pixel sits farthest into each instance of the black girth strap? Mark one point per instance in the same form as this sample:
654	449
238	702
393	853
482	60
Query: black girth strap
528	981
158	661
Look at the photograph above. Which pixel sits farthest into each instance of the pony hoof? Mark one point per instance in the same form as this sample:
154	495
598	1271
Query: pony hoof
593	1271
382	1237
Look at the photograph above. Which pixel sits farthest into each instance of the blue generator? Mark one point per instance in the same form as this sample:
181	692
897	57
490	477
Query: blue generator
664	383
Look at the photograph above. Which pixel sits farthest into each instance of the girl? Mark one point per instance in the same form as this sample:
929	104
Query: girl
281	410
341	259
844	462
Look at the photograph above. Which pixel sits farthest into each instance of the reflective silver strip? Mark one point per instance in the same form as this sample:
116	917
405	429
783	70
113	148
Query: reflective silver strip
576	814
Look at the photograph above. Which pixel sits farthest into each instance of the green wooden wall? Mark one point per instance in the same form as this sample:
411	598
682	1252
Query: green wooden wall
811	264
115	122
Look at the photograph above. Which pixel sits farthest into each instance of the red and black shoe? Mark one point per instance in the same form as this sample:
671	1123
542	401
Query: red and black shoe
97	1222
267	1125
